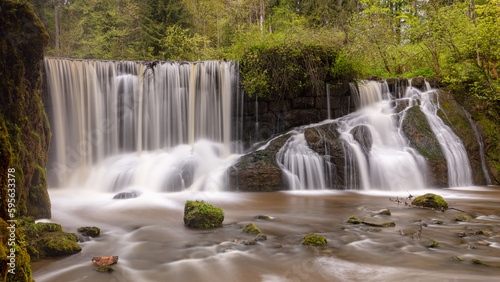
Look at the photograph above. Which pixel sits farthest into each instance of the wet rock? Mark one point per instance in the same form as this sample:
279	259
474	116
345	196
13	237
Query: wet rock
312	239
478	262
384	212
251	229
198	214
456	258
418	131
262	217
260	237
47	239
483	243
431	201
258	171
461	217
354	220
126	195
103	261
91	231
431	244
363	136
439	222
248	242
378	222
408	232
418	82
105	268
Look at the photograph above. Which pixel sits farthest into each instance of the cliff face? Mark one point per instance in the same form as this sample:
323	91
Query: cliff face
24	126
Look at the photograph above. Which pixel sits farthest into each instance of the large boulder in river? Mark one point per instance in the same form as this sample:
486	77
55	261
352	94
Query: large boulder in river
430	200
258	171
418	131
198	214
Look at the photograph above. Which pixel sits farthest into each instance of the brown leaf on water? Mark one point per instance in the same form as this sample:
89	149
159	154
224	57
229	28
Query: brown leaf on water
101	261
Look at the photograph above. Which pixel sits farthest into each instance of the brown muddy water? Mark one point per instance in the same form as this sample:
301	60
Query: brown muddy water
149	236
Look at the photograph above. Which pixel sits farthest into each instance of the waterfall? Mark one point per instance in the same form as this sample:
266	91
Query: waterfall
303	168
481	148
105	109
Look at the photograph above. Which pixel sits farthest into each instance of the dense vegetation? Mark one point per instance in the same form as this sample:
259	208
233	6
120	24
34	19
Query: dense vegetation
454	40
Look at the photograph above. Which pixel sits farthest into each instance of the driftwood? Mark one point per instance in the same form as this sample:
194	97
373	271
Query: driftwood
101	261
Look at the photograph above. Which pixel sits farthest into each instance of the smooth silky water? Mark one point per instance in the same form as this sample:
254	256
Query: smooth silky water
166	134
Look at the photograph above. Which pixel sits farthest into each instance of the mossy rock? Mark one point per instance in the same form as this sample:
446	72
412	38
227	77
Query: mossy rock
251	228
431	201
461	217
91	231
313	239
105	268
198	214
354	220
58	245
431	244
263	217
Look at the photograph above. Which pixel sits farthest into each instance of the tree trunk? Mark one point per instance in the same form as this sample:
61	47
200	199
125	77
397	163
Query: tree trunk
56	23
262	11
475	29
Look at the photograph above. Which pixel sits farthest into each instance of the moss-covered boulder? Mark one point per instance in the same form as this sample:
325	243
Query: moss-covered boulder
91	231
198	214
354	220
251	228
47	239
313	239
431	201
105	268
461	217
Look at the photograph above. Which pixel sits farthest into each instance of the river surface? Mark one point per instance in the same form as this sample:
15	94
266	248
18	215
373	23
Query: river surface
149	236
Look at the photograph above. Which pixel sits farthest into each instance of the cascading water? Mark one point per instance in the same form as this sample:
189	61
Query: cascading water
143	125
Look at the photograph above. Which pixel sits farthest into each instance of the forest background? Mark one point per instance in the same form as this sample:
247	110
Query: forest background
455	41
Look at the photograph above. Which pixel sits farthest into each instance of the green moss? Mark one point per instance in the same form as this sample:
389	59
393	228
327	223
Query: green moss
431	244
105	268
91	231
251	228
461	217
354	220
431	201
456	258
198	214
312	239
476	261
263	217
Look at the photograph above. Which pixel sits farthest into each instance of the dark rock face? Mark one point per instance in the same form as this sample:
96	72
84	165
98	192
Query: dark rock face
419	133
25	142
453	115
258	171
364	137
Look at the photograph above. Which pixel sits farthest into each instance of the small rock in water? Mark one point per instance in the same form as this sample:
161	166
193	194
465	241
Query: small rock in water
260	237
251	228
461	217
262	217
476	261
431	244
354	220
456	258
314	240
483	243
248	242
126	195
408	232
105	268
378	222
437	222
91	231
384	212
102	261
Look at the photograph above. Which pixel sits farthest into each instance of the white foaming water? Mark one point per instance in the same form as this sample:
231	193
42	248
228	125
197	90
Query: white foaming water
390	164
107	113
303	168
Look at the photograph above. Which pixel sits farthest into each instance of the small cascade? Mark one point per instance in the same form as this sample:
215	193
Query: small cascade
303	168
479	139
118	112
459	170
